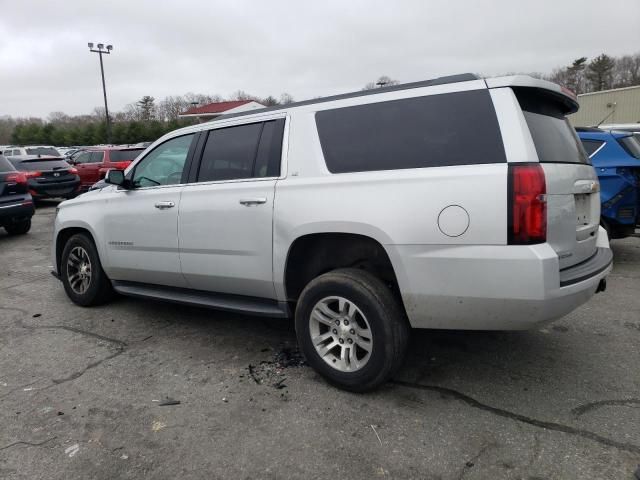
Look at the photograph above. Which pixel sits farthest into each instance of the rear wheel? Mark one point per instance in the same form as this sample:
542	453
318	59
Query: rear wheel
84	280
19	228
351	329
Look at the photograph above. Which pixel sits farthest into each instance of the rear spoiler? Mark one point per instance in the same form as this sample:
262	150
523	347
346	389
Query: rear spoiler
563	96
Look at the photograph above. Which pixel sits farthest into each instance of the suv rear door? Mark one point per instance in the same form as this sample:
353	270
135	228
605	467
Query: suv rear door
225	224
573	200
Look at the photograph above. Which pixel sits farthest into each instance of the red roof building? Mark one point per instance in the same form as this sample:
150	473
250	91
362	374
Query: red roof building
212	110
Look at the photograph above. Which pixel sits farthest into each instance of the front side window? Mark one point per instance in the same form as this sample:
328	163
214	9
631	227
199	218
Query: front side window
458	128
164	164
83	158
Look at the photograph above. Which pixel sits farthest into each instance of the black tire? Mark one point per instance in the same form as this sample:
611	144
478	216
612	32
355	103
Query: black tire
385	316
99	289
18	228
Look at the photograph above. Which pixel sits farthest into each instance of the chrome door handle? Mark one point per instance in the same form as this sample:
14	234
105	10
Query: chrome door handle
164	205
247	202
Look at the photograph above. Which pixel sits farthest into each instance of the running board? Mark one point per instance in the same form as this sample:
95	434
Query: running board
198	298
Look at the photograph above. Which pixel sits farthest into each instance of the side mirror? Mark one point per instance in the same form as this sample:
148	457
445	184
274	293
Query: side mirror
115	177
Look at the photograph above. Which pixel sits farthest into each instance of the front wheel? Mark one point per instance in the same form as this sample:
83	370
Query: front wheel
351	329
84	280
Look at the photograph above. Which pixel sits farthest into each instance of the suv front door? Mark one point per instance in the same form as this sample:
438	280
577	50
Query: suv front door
141	223
225	224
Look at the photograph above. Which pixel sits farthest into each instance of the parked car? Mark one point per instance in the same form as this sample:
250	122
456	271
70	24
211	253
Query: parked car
47	177
423	205
616	158
16	205
32	150
92	163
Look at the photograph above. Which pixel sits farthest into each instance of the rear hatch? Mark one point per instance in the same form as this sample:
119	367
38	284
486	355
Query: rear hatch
573	200
12	182
52	169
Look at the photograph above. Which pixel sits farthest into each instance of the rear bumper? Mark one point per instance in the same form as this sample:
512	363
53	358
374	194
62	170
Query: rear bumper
54	189
13	210
493	287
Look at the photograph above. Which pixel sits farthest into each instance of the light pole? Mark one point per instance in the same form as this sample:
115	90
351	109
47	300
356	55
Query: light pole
100	50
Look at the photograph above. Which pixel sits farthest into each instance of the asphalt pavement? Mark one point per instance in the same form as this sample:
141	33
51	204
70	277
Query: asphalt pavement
141	389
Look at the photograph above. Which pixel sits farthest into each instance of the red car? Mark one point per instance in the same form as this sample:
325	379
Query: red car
93	163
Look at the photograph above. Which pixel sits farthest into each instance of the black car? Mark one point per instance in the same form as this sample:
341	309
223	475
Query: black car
16	205
48	177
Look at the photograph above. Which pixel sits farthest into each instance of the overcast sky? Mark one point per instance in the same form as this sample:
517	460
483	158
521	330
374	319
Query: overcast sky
305	48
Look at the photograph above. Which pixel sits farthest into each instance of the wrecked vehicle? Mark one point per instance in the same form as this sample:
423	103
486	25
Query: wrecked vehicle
453	203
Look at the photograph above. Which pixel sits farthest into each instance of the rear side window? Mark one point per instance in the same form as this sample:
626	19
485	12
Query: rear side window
555	139
96	157
631	144
243	151
438	130
591	146
123	155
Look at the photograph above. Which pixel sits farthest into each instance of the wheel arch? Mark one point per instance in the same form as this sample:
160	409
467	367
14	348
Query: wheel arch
313	254
65	234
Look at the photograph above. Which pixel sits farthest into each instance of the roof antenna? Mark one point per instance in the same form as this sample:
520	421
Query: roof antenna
610	105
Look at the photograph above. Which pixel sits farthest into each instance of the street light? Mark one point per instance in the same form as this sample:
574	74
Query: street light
100	50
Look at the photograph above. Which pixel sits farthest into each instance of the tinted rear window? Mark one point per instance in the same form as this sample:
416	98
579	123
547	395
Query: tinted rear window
555	139
39	164
438	130
591	146
123	155
5	165
42	151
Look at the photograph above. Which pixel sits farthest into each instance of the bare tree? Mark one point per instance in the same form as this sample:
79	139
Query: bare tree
626	72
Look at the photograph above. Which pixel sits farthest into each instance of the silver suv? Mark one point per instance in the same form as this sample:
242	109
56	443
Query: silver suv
456	203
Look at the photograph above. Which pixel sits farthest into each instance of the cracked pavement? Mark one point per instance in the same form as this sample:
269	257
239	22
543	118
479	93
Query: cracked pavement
80	391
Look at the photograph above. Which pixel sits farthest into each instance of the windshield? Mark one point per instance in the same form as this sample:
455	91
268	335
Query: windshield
125	155
42	151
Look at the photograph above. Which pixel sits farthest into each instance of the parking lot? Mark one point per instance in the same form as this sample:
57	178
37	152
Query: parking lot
93	393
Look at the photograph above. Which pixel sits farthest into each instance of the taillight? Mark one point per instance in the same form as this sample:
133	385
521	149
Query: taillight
18	177
121	165
32	174
73	171
527	204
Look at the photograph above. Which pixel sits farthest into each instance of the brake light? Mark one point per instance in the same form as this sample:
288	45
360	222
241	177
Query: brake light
73	171
527	204
19	178
32	174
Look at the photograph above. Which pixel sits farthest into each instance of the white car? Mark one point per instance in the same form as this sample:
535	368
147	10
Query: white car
454	203
46	150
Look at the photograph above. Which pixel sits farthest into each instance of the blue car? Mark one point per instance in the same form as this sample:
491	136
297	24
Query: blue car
616	157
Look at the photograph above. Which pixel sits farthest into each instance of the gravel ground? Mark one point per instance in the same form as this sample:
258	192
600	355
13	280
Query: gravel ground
82	391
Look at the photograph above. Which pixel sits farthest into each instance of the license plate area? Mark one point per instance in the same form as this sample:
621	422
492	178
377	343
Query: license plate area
583	209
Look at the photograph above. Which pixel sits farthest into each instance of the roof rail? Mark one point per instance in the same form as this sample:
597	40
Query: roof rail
462	77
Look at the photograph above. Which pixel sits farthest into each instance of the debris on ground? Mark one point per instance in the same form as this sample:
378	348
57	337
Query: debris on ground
168	401
72	450
272	372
